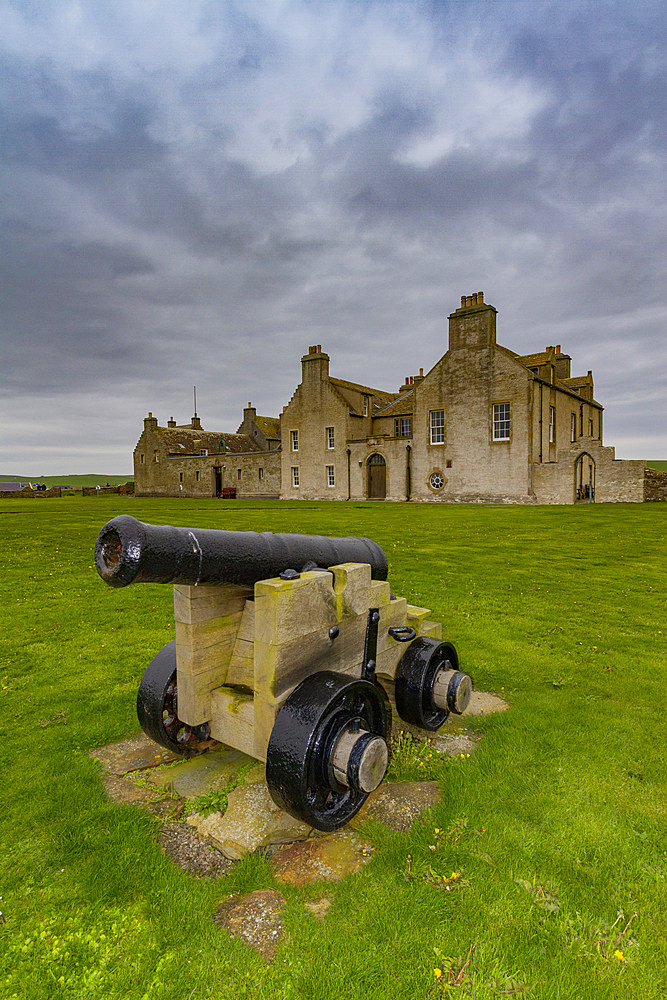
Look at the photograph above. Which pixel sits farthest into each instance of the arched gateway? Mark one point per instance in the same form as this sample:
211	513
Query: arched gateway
584	479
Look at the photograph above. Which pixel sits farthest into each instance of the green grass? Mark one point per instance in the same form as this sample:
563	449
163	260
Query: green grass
661	466
554	828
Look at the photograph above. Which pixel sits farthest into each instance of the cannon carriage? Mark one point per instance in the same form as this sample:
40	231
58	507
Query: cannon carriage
290	648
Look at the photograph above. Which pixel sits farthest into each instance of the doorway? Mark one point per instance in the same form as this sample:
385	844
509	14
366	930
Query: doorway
217	471
584	479
377	477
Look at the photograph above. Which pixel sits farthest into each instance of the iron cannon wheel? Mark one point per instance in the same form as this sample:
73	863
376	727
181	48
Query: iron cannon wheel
416	673
157	708
299	763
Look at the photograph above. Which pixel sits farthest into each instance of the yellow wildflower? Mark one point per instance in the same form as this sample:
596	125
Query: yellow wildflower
437	973
619	956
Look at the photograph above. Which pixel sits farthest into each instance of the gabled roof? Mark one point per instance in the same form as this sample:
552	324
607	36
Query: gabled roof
269	425
404	404
191	440
577	381
541	358
236	444
380	397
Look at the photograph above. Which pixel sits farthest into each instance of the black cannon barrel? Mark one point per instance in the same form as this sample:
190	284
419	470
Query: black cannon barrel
129	551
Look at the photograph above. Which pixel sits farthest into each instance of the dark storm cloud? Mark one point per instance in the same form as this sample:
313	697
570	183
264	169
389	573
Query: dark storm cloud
197	197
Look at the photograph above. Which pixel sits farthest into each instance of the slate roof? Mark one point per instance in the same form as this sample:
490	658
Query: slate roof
576	382
190	441
381	398
541	358
269	425
398	407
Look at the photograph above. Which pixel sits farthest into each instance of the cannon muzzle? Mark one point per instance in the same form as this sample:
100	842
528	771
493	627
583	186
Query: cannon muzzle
129	551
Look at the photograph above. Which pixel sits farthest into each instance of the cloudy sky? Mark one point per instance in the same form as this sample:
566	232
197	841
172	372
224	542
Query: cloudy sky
197	190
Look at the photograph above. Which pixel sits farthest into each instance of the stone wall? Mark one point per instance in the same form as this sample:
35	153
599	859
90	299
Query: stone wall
252	474
122	489
315	406
195	476
473	375
655	485
616	480
396	455
338	433
27	493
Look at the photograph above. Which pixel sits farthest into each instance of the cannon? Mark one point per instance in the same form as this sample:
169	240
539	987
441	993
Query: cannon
290	648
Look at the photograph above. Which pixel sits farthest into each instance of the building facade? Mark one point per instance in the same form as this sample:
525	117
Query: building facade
485	424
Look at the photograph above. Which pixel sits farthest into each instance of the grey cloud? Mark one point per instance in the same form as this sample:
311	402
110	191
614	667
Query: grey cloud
154	236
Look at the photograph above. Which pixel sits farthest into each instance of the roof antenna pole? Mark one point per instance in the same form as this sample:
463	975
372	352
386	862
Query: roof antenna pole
195	393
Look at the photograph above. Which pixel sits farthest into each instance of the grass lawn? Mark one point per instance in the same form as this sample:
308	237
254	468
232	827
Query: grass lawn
560	814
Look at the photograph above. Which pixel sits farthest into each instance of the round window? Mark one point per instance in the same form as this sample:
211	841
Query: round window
436	480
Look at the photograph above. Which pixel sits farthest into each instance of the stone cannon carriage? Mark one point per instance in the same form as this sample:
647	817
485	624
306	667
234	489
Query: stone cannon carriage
290	648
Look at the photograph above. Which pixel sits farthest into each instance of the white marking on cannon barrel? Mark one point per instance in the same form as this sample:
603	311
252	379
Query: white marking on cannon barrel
196	547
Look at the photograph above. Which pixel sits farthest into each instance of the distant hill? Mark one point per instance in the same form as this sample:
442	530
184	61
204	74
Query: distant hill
73	481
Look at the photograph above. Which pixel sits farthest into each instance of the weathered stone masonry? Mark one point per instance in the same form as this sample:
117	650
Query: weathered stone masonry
485	424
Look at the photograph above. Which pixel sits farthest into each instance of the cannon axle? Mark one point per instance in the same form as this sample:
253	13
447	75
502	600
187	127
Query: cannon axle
360	759
429	684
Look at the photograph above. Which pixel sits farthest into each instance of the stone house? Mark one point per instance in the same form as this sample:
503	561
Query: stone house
185	460
485	424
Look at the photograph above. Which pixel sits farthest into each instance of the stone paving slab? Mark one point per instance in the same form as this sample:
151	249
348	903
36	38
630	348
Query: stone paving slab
397	804
121	789
251	821
484	703
321	859
133	754
319	908
254	919
209	772
192	854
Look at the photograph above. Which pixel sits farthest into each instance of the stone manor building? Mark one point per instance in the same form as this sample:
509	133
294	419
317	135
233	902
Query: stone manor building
485	424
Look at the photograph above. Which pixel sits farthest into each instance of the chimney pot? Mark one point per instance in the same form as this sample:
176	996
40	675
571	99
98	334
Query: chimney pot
480	298
319	348
421	372
468	300
463	302
474	298
557	348
150	413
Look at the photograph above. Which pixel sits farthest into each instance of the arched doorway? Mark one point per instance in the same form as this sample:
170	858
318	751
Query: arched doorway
377	477
584	479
